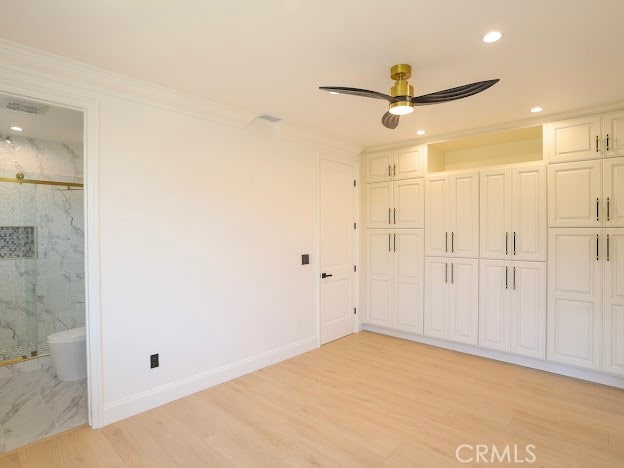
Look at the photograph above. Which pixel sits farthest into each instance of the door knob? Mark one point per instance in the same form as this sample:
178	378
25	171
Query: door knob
326	275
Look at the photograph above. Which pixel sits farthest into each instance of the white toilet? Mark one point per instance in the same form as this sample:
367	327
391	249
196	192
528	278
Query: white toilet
68	350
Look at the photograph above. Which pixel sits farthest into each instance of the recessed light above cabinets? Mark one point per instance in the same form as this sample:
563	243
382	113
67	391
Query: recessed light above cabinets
492	36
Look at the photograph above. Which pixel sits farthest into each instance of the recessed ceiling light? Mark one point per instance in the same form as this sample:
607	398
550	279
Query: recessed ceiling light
420	132
333	92
17	129
537	109
492	36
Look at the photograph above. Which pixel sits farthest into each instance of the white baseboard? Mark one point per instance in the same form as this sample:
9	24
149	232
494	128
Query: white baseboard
159	396
547	366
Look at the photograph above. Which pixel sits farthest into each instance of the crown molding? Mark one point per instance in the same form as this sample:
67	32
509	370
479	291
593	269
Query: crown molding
512	125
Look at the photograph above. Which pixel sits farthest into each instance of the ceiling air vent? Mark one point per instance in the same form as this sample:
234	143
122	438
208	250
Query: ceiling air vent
21	105
270	118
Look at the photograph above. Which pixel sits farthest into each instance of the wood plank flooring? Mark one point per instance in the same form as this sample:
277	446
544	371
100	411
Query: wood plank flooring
364	400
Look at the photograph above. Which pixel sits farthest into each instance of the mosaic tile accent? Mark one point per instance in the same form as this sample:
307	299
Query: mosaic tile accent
17	242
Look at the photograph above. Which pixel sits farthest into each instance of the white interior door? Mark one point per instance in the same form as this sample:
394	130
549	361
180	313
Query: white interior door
495	211
528	308
613	189
463	309
379	277
409	203
494	304
464	211
528	214
337	250
408	251
613	346
436	215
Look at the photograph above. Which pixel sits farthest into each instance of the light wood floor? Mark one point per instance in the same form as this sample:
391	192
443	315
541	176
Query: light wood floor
365	400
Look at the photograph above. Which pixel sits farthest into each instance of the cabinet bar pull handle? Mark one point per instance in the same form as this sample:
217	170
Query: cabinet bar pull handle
597	140
445	272
607	247
394	168
608	209
389	170
395	242
389	214
506	280
514	277
452	244
506	243
597	209
607	142
514	243
389	242
597	247
395	216
452	273
446	241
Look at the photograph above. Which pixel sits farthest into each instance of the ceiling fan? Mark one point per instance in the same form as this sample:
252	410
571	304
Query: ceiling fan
401	98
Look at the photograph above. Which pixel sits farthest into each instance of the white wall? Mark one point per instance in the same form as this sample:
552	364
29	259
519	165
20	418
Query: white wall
201	230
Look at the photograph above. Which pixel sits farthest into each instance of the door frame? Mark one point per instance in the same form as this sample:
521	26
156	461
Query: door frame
49	92
355	165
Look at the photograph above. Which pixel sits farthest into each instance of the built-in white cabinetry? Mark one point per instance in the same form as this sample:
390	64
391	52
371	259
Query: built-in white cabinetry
398	204
586	193
452	299
395	278
613	308
613	128
513	213
512	307
452	214
395	165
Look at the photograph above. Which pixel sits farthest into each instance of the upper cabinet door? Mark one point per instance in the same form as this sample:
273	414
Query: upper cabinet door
495	207
528	236
437	215
614	134
464	211
436	299
379	205
463	309
574	194
494	307
527	283
379	277
409	164
613	340
379	167
573	140
613	192
408	249
409	203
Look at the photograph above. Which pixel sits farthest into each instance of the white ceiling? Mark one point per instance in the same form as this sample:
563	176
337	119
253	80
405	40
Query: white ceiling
56	124
270	56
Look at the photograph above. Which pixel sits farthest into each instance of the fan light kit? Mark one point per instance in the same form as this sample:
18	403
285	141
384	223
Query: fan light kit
537	109
17	129
401	99
492	36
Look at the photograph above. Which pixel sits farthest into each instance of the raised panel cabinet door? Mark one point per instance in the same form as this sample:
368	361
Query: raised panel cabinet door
613	129
408	164
575	297
613	192
494	304
409	264
379	167
575	194
464	211
573	140
613	338
436	297
379	277
527	281
437	215
379	205
529	232
495	213
463	311
409	203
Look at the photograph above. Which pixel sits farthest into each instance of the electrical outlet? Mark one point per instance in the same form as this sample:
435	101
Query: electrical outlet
305	259
154	361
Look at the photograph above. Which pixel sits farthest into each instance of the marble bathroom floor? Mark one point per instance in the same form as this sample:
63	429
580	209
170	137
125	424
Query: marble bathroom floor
35	405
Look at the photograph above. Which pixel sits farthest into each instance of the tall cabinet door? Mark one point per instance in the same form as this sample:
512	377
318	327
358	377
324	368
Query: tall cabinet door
463	309
409	164
409	203
613	191
408	249
436	215
379	167
528	308
379	277
528	214
574	193
573	140
464	211
495	207
494	304
575	297
613	129
436	300
613	339
379	205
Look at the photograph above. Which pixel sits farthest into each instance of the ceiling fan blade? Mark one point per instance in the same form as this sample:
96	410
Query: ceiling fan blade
358	92
453	93
390	121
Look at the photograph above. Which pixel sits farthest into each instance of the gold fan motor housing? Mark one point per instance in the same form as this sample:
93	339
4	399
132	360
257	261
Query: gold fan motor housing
401	73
